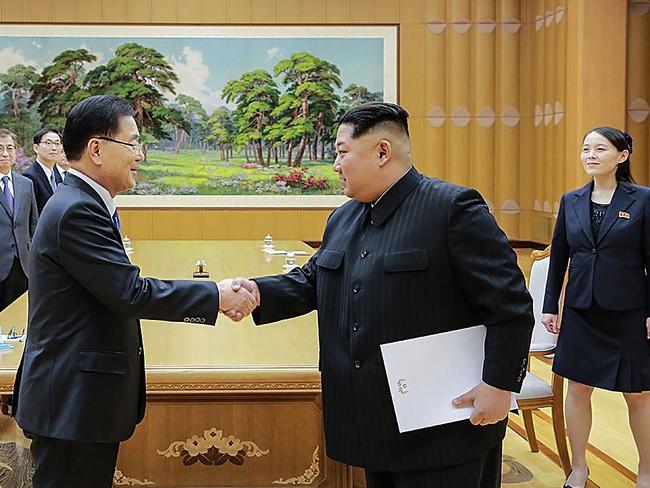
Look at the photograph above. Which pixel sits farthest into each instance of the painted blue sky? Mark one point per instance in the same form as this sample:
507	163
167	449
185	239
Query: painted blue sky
205	65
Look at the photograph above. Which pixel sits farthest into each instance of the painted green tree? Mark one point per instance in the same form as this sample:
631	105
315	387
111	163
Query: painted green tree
15	91
195	116
142	75
256	95
355	95
59	87
313	81
220	131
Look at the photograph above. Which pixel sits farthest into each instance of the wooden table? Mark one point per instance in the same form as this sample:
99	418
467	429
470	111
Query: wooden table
231	405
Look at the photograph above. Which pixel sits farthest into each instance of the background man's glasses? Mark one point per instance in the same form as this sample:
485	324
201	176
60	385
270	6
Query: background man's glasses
49	143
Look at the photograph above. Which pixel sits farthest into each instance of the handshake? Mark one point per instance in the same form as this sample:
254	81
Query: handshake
238	297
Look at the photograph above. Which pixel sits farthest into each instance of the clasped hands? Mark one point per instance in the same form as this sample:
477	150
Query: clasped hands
238	297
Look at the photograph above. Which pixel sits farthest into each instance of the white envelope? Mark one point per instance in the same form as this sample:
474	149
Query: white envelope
426	373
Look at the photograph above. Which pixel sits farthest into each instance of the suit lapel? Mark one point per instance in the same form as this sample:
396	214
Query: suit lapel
72	180
18	196
43	177
582	210
621	201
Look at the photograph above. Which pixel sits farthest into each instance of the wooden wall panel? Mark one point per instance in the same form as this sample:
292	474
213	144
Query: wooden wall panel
164	11
386	11
238	11
213	11
190	224
89	11
411	11
14	11
361	12
638	87
289	11
483	99
312	11
213	225
139	12
264	11
337	11
114	11
39	10
188	11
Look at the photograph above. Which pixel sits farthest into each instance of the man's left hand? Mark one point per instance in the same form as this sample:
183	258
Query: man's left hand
491	404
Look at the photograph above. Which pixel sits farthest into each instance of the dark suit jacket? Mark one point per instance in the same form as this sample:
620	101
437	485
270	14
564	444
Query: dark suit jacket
17	230
42	186
82	375
612	269
428	258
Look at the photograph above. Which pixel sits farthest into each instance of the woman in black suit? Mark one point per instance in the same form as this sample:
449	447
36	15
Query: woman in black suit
603	233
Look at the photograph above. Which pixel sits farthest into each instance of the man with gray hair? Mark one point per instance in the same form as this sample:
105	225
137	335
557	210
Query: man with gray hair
18	217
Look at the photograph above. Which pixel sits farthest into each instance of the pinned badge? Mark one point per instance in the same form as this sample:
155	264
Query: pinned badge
623	215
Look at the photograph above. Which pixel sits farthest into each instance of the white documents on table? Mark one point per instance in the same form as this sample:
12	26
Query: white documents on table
426	373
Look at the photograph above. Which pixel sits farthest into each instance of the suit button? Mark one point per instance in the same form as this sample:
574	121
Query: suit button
186	319
139	351
364	254
357	364
372	222
356	288
202	320
593	251
355	327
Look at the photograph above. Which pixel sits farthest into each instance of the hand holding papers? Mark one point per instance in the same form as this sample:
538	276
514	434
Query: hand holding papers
427	373
491	405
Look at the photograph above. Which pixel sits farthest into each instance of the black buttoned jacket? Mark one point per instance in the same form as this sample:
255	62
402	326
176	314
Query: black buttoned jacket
428	258
611	268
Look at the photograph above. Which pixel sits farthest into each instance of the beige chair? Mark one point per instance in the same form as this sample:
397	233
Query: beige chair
535	392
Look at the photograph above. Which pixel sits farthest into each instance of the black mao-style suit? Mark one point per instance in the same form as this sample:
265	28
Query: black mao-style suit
42	187
427	258
82	373
607	299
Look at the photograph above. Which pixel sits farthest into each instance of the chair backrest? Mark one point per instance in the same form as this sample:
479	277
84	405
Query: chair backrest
537	286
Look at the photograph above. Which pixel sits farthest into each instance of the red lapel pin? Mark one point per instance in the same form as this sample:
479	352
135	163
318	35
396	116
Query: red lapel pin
623	215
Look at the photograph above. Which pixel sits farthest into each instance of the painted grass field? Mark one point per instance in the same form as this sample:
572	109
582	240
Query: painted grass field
195	172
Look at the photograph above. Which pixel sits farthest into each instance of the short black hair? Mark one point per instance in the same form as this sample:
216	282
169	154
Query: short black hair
369	115
94	116
45	130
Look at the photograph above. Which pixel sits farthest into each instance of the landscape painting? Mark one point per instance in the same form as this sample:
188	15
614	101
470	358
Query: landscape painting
222	111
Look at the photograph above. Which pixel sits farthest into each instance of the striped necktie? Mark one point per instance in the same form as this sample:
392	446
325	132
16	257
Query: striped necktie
8	196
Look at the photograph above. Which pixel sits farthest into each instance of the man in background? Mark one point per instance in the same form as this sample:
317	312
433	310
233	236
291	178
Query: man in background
18	217
80	389
63	166
408	256
43	172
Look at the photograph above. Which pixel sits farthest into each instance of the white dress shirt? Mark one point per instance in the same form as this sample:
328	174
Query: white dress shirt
48	171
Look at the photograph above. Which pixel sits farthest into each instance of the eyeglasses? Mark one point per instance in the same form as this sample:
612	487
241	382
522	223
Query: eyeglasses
9	149
49	143
136	147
